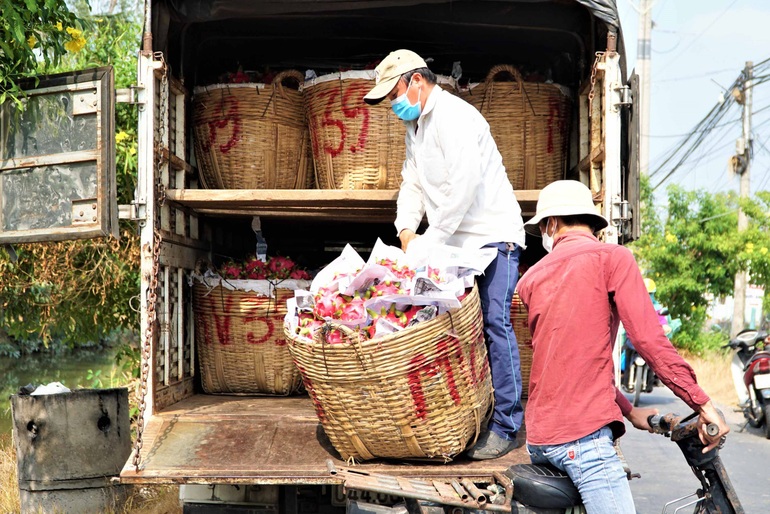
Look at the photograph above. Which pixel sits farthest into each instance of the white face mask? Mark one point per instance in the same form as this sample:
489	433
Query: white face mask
548	240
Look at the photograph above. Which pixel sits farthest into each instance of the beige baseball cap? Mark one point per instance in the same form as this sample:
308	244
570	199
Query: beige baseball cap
387	73
565	198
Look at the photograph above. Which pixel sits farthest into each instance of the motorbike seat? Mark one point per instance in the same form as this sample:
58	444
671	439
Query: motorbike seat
543	486
764	354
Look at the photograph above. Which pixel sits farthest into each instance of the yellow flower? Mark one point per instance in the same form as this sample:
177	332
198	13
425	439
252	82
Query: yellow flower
75	45
670	238
32	41
75	33
749	247
763	250
121	136
59	26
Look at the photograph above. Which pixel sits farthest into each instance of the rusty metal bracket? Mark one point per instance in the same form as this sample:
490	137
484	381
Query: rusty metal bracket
462	493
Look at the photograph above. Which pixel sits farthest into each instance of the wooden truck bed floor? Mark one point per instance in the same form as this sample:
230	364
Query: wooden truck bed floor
208	439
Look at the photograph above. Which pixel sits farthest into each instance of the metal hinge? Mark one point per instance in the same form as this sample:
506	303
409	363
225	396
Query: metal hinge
620	211
128	95
135	211
624	97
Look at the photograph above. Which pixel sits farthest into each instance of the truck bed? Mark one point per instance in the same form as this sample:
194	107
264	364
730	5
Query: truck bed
208	439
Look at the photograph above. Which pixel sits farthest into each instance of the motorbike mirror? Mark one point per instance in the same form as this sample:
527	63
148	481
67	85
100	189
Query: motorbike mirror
663	311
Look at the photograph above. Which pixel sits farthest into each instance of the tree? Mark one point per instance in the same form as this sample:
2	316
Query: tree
77	292
31	30
697	250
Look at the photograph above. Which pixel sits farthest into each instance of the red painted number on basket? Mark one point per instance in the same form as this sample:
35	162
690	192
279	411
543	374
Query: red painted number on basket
252	338
349	106
420	366
229	106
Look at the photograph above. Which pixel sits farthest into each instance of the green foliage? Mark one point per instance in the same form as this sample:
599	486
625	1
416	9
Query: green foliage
697	249
75	293
30	31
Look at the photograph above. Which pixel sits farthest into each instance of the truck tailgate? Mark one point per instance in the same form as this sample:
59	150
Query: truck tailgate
264	440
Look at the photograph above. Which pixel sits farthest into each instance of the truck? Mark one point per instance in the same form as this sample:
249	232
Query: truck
268	454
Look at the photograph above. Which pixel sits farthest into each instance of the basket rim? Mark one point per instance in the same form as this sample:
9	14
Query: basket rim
413	332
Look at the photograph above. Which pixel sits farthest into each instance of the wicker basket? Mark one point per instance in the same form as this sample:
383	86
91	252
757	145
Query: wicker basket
252	136
520	324
529	122
355	145
240	344
421	393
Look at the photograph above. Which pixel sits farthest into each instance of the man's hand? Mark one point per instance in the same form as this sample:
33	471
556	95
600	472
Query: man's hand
406	236
709	414
638	417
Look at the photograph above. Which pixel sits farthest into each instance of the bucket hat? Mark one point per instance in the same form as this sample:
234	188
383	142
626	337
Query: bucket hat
387	73
564	198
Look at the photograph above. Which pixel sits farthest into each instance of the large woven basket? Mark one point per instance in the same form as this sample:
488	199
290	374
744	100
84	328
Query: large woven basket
252	136
240	342
529	122
520	324
421	393
355	145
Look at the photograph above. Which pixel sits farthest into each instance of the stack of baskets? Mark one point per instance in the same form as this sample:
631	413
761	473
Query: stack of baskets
529	122
420	393
524	340
355	145
253	136
240	343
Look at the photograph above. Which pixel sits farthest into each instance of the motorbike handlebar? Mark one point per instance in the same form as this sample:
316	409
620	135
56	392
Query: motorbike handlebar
663	424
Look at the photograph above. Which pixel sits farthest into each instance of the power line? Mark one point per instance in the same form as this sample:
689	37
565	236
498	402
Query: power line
701	33
733	122
689	77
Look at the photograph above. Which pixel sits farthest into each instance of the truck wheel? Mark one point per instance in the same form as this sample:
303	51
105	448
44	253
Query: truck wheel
767	421
638	386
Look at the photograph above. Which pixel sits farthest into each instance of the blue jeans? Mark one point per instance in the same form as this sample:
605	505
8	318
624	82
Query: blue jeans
595	469
496	288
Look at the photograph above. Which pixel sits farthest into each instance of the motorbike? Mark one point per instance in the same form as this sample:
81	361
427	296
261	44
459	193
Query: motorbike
751	374
635	374
543	489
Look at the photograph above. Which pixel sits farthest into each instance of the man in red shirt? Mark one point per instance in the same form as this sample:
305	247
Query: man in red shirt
576	296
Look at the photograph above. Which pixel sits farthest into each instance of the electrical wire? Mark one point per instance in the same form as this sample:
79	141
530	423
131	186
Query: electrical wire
701	33
690	77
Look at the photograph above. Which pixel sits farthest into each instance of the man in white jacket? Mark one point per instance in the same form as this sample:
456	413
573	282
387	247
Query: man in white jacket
454	174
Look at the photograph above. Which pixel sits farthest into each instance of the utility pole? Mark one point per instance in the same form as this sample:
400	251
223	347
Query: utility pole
643	57
741	165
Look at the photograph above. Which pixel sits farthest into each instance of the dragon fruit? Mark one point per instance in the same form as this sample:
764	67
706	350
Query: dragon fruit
352	309
327	302
232	270
383	288
402	272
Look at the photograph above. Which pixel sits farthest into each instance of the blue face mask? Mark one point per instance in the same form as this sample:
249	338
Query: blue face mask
405	110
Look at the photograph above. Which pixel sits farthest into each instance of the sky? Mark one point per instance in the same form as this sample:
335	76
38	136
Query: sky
699	48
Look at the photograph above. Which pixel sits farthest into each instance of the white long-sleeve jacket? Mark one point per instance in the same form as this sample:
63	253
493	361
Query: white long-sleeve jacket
454	173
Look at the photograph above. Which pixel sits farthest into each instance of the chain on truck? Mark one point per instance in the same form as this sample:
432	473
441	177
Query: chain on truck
262	453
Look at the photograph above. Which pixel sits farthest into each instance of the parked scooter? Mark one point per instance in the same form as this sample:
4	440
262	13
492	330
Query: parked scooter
636	376
751	375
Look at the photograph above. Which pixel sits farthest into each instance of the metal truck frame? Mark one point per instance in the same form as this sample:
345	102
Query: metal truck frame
271	451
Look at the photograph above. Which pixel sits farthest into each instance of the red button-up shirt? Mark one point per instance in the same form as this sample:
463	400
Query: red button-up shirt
576	296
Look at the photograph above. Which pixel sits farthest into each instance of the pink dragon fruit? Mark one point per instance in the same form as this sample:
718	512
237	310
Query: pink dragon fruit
327	302
280	267
402	272
299	274
384	288
352	309
232	270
